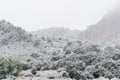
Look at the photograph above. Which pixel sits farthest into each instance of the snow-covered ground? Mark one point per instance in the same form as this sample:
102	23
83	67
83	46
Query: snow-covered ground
46	75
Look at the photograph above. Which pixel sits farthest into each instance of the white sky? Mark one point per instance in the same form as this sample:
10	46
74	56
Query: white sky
32	15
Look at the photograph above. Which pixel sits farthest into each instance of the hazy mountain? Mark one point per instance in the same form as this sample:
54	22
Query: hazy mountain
105	28
58	33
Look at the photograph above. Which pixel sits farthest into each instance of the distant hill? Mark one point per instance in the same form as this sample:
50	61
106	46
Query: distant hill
58	33
104	29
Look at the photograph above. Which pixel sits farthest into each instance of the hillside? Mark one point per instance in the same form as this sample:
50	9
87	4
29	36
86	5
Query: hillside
60	53
55	32
105	28
11	34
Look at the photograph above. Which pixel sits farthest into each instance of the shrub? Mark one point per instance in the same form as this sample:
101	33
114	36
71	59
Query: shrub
76	75
9	67
108	75
88	76
33	71
96	74
52	77
26	66
69	43
55	58
67	51
36	43
65	74
73	74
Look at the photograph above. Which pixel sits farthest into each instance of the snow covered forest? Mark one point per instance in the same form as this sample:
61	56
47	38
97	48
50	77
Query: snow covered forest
61	53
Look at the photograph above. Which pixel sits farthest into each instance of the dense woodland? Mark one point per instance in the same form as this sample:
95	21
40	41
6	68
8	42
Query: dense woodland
72	57
79	55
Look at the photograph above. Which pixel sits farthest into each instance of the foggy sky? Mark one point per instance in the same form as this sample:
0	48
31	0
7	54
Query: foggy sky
32	15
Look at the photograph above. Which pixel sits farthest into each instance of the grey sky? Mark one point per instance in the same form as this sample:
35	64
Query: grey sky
37	14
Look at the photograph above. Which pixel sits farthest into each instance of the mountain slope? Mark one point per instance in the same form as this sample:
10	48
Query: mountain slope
58	33
105	28
12	34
